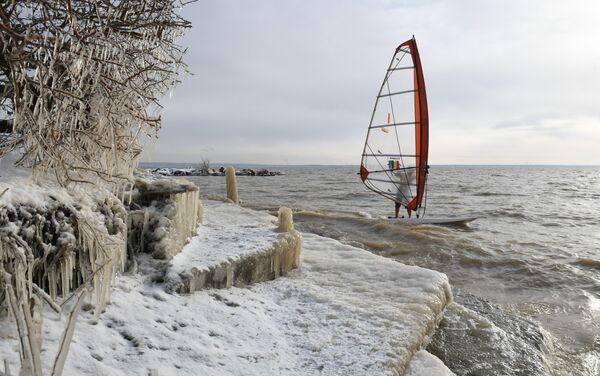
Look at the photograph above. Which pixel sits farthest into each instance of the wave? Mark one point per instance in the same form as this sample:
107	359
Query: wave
552	224
491	194
591	263
508	213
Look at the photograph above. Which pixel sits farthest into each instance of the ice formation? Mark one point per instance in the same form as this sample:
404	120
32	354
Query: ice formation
285	219
58	242
344	312
84	88
164	213
227	253
231	181
424	363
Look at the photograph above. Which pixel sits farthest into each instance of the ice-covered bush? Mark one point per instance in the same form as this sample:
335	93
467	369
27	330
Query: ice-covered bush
81	80
58	242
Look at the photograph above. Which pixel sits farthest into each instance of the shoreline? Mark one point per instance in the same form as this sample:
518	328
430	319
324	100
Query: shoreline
151	328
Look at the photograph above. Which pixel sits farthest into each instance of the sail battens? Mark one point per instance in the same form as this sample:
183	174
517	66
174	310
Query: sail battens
385	181
395	156
396	93
394	169
393	124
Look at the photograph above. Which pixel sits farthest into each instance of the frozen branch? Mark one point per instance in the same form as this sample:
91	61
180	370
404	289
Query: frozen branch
81	80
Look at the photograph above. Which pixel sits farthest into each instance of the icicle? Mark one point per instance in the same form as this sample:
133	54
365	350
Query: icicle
52	283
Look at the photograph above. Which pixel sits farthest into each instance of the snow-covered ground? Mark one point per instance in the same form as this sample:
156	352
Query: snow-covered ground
345	311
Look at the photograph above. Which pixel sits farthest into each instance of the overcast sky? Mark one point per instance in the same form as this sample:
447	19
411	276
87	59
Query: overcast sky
294	82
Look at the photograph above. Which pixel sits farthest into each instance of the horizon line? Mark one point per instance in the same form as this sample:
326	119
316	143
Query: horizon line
220	164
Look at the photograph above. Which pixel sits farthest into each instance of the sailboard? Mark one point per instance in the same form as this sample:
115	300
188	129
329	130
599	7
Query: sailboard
459	221
394	160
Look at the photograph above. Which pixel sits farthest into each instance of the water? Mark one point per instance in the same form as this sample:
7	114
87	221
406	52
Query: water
527	271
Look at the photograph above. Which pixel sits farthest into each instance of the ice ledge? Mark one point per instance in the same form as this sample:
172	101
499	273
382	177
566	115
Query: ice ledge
235	247
424	363
361	313
261	265
345	310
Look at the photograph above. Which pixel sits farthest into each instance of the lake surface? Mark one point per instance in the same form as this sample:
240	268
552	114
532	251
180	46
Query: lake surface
526	272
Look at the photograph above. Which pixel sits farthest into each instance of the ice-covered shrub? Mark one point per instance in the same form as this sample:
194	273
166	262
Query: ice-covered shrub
81	80
58	242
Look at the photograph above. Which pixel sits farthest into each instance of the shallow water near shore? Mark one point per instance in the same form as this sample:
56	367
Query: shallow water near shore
529	265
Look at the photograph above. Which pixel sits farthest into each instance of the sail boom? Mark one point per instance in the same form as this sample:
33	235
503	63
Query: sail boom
386	181
390	155
396	93
393	124
392	170
399	68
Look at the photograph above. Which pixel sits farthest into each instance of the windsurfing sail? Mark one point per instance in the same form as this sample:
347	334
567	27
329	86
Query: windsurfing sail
394	158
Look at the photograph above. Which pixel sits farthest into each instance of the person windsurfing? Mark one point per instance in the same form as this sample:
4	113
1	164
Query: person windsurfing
404	179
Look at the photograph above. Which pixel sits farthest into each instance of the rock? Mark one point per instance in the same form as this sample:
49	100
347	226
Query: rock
211	172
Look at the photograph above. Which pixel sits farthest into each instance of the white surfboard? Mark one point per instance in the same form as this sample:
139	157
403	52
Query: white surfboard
459	221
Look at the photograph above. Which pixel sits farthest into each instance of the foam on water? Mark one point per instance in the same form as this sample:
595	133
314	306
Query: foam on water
532	256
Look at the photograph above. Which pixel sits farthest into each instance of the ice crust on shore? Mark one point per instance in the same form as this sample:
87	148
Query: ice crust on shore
344	312
229	232
424	363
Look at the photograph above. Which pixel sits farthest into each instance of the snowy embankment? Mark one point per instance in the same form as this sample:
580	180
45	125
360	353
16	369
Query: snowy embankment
343	312
227	253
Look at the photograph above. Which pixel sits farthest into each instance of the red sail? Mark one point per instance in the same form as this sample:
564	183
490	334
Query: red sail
421	124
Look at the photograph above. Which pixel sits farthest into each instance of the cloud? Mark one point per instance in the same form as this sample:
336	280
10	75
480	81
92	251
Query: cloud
302	76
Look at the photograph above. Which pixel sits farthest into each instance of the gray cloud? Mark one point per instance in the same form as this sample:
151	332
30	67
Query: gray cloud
271	76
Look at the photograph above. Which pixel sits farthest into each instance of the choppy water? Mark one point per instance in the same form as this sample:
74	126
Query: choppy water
526	273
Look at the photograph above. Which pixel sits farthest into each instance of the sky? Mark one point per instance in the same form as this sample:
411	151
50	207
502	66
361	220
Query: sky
294	82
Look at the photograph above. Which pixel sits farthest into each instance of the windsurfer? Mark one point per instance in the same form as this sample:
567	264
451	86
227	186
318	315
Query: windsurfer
405	178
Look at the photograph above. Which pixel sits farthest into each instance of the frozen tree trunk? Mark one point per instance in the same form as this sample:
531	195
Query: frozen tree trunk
231	181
